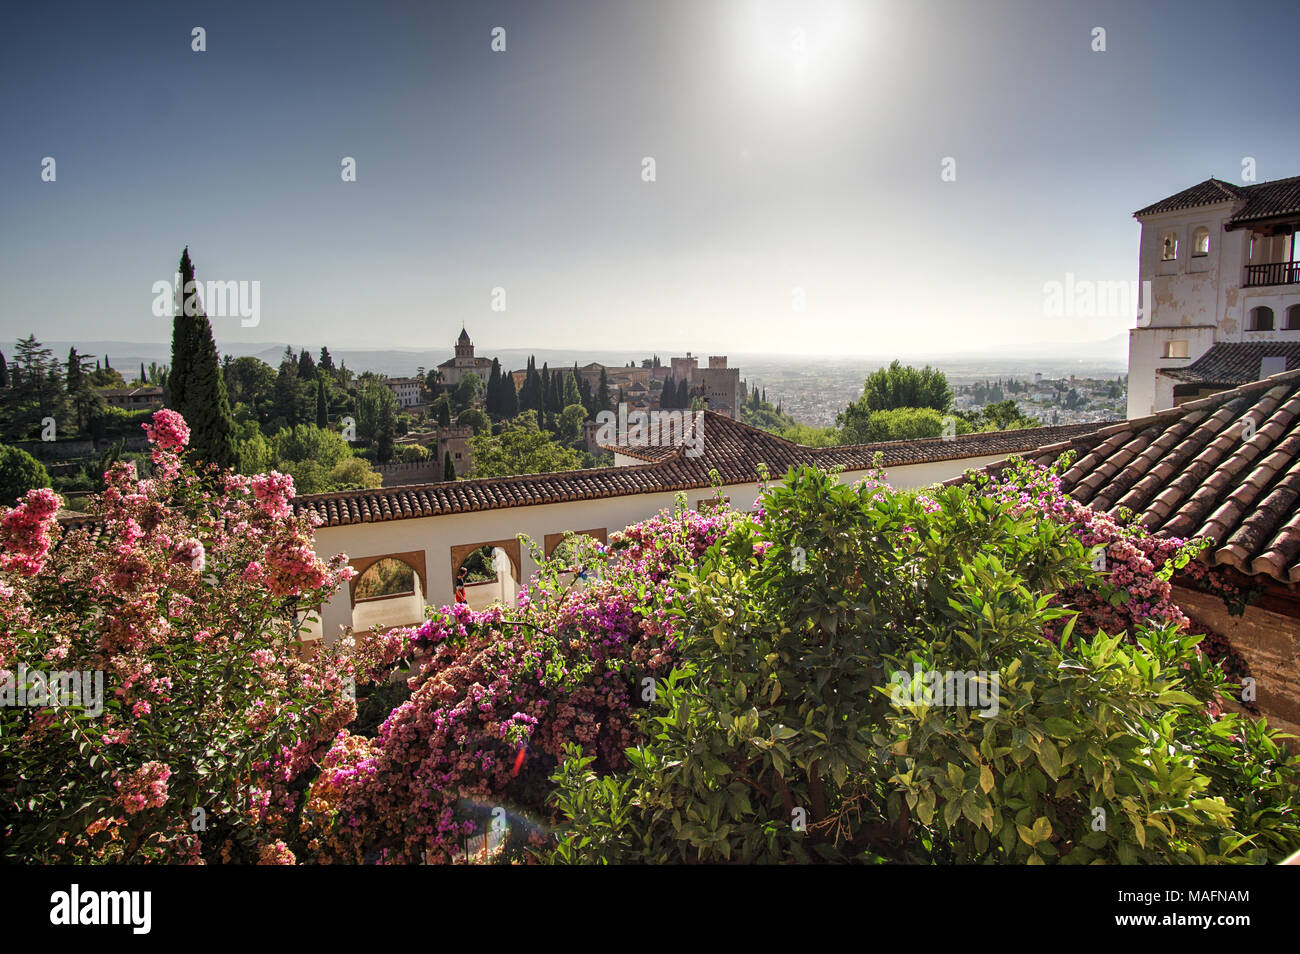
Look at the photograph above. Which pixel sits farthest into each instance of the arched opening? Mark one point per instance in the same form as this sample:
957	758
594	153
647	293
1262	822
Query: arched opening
485	573
1261	319
1169	247
1293	318
387	591
1201	241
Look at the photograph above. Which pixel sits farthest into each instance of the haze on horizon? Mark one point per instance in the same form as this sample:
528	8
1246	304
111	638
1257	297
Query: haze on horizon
776	167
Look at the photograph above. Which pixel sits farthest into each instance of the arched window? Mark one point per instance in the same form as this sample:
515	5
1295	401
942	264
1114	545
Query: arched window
1293	318
1261	319
1169	247
387	577
1201	241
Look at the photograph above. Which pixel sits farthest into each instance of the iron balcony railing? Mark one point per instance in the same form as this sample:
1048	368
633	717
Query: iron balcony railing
1274	273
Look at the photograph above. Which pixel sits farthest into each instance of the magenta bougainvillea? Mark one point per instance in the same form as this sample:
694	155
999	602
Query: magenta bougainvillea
497	694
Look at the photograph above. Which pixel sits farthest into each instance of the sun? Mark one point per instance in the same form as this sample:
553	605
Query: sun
799	49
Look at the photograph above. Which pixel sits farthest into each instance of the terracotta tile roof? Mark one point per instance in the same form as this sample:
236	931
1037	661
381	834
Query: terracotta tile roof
1261	200
1190	472
1268	200
1235	362
1209	192
732	449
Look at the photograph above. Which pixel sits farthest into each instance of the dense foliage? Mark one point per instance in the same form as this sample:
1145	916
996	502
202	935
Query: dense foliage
796	725
186	603
709	687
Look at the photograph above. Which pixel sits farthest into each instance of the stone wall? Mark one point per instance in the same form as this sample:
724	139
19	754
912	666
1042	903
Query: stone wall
1270	643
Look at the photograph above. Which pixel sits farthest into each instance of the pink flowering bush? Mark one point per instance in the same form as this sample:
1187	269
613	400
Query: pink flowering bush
185	597
496	695
1134	568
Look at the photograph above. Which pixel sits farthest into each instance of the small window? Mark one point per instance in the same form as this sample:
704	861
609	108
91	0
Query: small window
1201	241
1169	250
1261	319
1175	349
1293	318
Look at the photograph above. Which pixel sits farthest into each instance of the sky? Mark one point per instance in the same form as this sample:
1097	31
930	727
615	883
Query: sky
797	205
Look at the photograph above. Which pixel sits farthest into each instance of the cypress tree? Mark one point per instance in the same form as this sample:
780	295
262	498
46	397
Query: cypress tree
444	412
200	393
286	389
322	404
492	396
448	468
4	371
509	399
326	363
74	372
182	347
384	438
306	366
584	396
602	392
144	378
571	393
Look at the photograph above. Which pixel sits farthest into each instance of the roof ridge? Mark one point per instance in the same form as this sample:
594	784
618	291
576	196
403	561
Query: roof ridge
1225	186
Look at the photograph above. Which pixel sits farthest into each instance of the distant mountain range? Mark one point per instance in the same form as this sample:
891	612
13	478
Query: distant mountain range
1108	356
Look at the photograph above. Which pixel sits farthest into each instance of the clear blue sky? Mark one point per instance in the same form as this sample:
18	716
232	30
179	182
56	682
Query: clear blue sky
522	169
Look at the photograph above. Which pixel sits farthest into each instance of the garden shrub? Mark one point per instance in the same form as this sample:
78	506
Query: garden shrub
796	725
185	603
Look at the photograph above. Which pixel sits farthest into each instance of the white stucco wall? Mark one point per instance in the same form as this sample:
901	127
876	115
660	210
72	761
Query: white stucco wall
437	535
1199	300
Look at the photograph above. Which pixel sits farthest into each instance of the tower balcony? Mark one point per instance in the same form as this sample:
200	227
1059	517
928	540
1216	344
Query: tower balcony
1272	273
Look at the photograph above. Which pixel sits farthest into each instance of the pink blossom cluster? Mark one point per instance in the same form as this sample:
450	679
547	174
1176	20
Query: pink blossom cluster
273	492
146	787
27	532
167	431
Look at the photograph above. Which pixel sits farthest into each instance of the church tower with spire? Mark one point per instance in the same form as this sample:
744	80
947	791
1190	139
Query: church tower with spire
464	350
453	370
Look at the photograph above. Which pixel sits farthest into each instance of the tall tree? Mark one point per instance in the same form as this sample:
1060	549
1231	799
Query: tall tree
74	372
201	399
385	432
509	399
602	392
571	395
183	347
286	389
4	371
586	398
448	467
322	403
492	396
326	363
306	366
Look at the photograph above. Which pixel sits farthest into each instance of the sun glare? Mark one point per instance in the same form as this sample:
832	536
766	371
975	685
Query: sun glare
794	49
